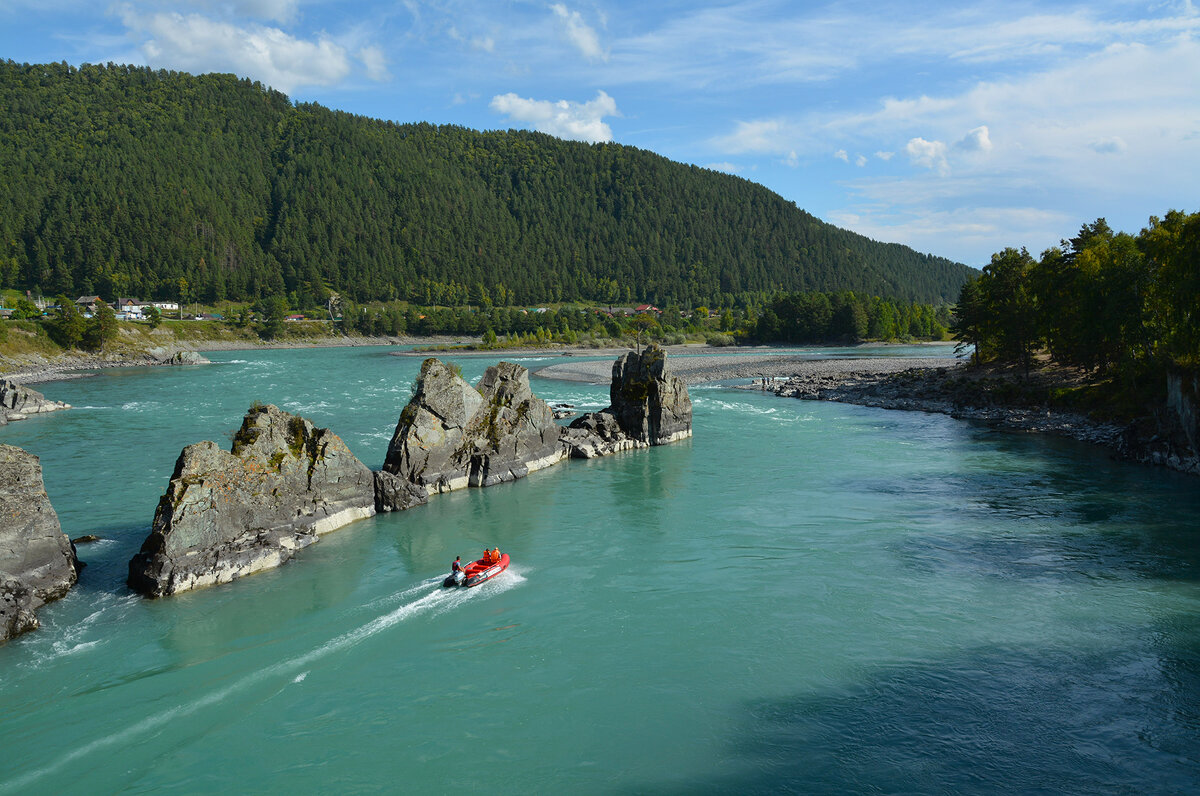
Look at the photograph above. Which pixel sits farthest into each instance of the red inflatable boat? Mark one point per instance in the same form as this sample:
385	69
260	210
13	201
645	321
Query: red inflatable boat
477	572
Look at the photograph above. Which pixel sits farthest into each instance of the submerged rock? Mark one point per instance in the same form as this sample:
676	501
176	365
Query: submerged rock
17	402
229	514
37	561
452	435
650	406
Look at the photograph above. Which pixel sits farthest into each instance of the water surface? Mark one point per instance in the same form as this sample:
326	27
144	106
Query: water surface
805	597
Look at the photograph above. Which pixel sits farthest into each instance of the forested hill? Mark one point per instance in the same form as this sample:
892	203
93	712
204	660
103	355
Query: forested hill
127	181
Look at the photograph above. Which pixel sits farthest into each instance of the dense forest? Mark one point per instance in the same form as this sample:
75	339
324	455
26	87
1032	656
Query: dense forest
125	181
1121	306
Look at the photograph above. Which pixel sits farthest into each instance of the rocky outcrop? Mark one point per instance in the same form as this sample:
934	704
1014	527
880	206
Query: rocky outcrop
17	402
172	356
231	513
650	406
393	493
452	435
37	560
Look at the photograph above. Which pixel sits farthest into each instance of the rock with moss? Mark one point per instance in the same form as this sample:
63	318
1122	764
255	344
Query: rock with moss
227	514
650	403
18	402
649	406
37	560
452	435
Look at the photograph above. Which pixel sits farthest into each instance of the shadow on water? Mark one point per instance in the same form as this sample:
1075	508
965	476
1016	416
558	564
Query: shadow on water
1031	507
1019	720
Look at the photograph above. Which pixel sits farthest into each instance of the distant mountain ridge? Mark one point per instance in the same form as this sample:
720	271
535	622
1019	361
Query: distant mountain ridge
123	180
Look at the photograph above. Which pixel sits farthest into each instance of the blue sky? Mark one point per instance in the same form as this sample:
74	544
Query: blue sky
955	128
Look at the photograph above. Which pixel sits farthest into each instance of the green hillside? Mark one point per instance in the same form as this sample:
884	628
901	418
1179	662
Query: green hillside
128	181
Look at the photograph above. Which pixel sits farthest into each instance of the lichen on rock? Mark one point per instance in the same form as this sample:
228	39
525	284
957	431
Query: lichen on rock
226	514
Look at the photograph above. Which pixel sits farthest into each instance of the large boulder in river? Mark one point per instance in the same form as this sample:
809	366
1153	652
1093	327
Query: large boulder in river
452	435
37	560
650	406
17	402
231	513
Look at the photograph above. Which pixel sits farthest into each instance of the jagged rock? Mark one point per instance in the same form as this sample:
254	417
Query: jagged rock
650	404
37	560
229	514
393	493
17	402
429	435
452	435
649	407
596	434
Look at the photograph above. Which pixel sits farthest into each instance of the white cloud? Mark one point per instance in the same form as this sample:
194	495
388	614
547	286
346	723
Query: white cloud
763	136
976	140
929	154
194	43
375	63
792	159
860	161
565	119
580	34
726	166
842	156
885	156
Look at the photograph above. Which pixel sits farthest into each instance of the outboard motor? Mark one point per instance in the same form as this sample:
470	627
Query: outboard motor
455	579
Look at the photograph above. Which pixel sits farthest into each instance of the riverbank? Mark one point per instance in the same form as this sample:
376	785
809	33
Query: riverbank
709	366
38	368
996	398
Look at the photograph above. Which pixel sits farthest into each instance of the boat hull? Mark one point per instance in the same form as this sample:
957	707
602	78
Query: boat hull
478	572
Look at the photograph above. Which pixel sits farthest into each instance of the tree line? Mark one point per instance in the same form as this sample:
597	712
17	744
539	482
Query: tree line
1112	303
127	181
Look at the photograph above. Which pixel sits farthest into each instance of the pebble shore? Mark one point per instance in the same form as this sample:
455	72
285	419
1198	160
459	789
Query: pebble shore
705	368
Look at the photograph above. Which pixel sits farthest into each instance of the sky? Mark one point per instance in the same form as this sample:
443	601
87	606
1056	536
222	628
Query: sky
957	128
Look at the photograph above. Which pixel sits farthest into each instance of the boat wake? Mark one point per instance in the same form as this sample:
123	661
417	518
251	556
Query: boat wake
432	600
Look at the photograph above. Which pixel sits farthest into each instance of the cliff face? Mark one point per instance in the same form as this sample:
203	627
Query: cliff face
650	406
37	560
229	514
452	435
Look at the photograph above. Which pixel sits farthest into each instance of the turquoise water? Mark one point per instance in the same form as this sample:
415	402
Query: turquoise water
805	597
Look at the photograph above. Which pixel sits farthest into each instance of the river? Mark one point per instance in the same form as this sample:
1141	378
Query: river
804	597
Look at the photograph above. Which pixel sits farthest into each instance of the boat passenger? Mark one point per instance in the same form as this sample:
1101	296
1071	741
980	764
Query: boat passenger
496	556
457	565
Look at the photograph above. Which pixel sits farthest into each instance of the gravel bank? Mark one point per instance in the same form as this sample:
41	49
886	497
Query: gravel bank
720	367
